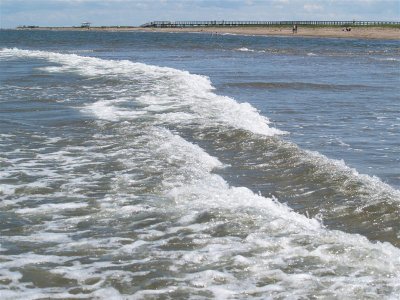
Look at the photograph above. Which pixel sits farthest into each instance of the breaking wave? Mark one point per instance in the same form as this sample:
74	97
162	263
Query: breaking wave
132	208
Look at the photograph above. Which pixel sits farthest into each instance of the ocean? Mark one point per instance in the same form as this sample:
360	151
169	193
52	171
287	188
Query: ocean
195	166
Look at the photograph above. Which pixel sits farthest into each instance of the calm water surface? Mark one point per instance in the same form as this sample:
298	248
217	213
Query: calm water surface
175	166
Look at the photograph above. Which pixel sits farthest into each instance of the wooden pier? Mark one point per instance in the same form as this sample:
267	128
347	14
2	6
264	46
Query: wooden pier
181	24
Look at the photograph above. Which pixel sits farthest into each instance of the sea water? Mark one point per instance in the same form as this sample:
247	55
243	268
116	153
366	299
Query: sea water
174	166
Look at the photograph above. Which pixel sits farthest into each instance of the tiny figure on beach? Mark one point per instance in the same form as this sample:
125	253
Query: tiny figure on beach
295	28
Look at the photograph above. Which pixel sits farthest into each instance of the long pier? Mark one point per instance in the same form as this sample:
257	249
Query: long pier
180	24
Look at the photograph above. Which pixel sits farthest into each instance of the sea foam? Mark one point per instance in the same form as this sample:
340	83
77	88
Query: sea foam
165	219
168	87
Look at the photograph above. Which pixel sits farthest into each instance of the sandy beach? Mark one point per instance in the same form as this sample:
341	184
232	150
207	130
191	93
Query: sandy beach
336	32
390	33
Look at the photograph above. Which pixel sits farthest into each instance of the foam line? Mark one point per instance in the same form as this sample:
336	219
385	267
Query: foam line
169	88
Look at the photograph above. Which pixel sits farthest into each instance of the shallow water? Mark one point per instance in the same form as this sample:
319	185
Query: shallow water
147	165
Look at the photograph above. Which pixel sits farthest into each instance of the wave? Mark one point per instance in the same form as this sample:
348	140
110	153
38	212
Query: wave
244	49
279	51
319	52
175	89
389	59
168	96
200	231
138	209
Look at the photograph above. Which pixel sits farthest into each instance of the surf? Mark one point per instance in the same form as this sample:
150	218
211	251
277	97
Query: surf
166	177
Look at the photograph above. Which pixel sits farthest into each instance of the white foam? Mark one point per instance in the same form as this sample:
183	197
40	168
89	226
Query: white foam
284	235
389	59
7	189
273	239
175	149
51	207
251	246
2	249
372	185
17	261
174	89
43	237
244	49
106	110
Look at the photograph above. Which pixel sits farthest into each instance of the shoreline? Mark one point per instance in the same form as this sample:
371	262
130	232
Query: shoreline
357	32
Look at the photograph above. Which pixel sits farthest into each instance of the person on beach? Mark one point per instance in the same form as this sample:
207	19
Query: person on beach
295	28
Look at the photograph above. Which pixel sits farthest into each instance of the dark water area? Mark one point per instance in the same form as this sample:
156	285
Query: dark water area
173	165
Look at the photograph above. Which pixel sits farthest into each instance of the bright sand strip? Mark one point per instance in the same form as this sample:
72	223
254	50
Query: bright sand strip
391	33
337	32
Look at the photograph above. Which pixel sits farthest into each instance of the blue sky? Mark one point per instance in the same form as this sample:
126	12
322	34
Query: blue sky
136	12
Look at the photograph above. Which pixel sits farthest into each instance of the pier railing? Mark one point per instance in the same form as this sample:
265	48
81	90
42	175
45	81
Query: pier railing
171	24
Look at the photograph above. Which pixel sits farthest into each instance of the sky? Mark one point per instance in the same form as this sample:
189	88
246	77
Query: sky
14	13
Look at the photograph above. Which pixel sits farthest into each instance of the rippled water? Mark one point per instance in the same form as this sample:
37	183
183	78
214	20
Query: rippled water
175	166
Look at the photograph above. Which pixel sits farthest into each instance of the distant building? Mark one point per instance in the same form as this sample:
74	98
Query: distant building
85	25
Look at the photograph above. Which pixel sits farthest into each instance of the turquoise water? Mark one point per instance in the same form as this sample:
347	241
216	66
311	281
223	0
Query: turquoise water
155	165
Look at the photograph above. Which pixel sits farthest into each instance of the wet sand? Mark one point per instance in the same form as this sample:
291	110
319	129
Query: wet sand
390	33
